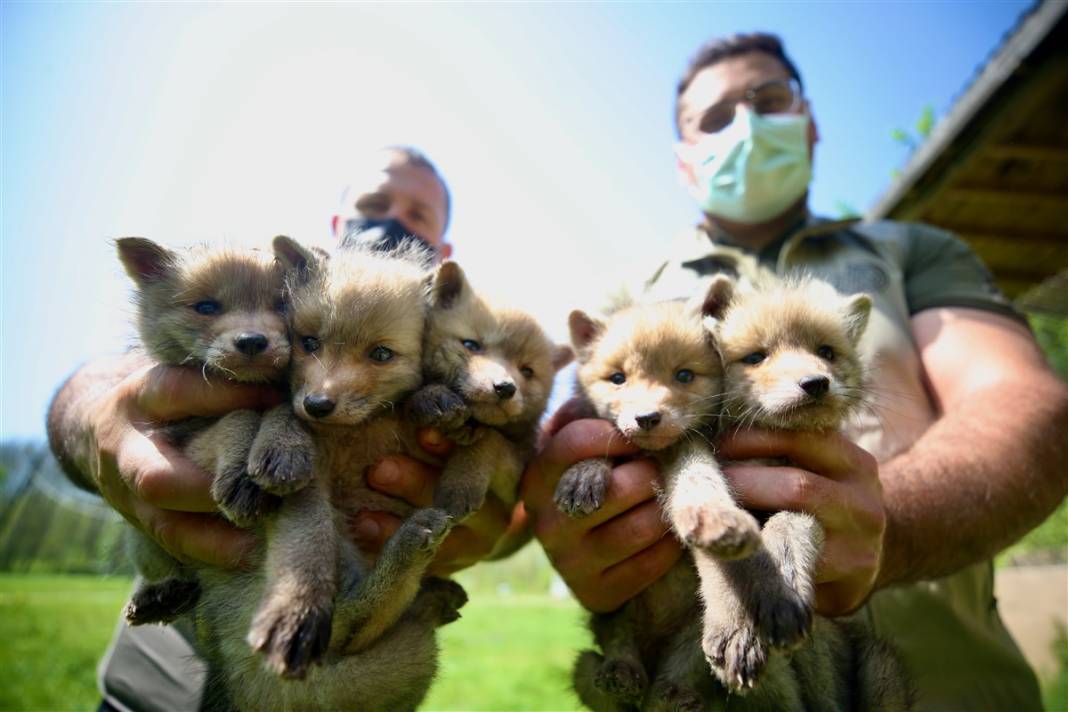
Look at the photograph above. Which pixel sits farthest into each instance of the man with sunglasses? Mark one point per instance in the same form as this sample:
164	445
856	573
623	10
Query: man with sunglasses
930	482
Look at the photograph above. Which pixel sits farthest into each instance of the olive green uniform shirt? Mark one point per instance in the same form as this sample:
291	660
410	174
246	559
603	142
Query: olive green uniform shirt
948	630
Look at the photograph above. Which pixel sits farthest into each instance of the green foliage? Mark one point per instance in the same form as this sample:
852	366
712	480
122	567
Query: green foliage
925	124
1055	690
1052	334
1046	542
845	210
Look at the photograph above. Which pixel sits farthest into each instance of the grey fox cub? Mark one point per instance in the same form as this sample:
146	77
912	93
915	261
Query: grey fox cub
218	310
656	373
357	320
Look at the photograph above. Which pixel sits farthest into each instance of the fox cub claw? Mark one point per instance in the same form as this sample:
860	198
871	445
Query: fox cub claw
241	500
581	488
725	533
623	679
438	406
291	639
161	602
736	655
282	468
424	531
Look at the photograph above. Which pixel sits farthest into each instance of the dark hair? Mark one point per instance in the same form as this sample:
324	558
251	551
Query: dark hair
413	156
720	48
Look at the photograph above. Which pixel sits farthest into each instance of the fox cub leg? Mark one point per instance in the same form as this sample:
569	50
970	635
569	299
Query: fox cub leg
223	450
392	584
701	508
491	462
282	457
621	674
292	625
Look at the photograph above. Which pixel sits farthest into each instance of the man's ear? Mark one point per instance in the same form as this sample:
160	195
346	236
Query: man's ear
857	312
584	331
562	355
333	226
145	261
813	130
445	250
449	287
298	261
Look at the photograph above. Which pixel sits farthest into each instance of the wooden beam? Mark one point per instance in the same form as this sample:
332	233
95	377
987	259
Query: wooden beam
1009	197
1027	152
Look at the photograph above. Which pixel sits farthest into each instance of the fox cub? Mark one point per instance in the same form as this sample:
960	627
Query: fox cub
356	319
664	379
488	371
217	310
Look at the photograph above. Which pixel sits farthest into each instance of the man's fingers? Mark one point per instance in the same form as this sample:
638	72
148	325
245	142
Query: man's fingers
405	478
579	440
829	454
371	530
174	393
572	410
161	476
626	535
434	441
203	538
772	489
627	579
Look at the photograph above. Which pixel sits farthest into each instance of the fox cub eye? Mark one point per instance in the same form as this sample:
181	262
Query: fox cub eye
684	375
754	358
826	353
471	345
617	378
527	372
310	343
381	354
208	307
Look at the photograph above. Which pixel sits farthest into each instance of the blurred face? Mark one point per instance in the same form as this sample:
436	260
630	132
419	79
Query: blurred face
717	89
399	190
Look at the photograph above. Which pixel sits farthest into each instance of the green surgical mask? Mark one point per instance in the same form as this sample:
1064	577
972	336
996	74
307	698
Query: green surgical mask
752	170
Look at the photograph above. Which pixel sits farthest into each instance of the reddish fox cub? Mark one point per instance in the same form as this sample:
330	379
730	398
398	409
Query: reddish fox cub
668	375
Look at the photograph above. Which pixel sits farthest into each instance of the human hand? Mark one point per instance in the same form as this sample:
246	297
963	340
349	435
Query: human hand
612	554
147	479
414	482
830	478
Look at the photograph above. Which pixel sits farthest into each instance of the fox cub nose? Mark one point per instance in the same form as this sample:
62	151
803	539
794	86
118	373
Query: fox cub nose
815	386
318	406
647	421
504	390
250	344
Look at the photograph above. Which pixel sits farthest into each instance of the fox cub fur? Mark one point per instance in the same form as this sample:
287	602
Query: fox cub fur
217	310
664	378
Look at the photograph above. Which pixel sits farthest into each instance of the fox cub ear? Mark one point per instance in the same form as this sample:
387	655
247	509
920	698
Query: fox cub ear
562	355
449	287
716	298
297	260
144	260
584	331
857	310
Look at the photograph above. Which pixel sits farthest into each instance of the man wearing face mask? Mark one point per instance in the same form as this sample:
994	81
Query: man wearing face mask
101	427
927	485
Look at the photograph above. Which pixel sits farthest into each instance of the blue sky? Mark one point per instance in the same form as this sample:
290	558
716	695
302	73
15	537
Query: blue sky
552	124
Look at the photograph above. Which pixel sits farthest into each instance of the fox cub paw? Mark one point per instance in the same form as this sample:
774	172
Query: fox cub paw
161	602
443	599
736	654
241	500
624	680
282	467
438	406
581	488
292	638
423	532
784	620
724	533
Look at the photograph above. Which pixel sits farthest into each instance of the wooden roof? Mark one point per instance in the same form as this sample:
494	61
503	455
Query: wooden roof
995	169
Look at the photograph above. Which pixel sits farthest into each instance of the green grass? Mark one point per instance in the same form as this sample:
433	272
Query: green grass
508	652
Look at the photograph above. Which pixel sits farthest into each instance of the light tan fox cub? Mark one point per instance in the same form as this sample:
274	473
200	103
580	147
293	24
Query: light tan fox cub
489	371
357	321
217	310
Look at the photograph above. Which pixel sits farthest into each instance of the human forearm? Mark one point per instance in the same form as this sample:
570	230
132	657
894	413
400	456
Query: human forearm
70	429
979	478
